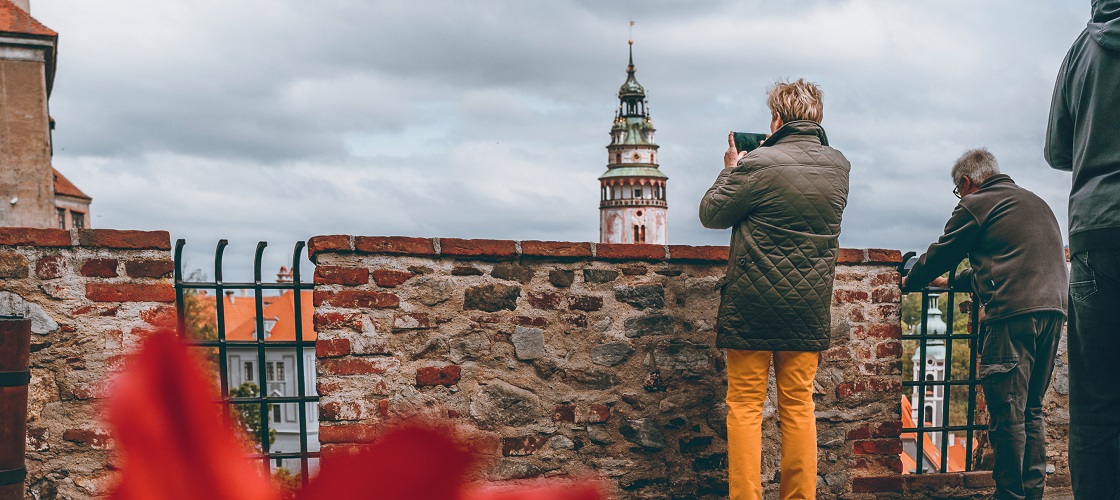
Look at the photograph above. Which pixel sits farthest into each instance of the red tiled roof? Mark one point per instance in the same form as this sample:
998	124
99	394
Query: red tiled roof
956	453
63	186
240	314
14	20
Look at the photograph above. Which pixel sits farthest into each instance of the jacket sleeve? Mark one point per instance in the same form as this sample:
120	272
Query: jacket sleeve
1059	130
961	233
728	201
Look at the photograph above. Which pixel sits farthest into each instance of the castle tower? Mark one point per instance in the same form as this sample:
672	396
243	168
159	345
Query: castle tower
935	372
27	63
632	206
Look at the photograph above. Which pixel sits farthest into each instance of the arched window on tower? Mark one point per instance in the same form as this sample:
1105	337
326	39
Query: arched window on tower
618	158
652	158
639	233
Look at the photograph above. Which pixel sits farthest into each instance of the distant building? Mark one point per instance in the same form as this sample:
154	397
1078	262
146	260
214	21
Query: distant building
32	192
632	206
281	364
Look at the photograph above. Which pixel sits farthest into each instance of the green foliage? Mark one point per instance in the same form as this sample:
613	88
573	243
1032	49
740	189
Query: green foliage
247	416
286	482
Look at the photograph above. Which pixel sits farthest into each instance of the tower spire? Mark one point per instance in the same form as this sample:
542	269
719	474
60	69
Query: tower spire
630	68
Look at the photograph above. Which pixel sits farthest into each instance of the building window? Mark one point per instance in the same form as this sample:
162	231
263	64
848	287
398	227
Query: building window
61	217
639	233
79	220
276	413
618	158
651	158
638	193
248	372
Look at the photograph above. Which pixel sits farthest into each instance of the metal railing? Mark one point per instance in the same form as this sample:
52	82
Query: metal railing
932	374
264	400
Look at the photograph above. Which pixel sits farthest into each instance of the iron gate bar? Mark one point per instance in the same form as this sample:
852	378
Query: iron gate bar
921	385
264	400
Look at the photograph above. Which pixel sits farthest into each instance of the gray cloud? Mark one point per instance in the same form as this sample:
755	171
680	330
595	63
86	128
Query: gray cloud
270	119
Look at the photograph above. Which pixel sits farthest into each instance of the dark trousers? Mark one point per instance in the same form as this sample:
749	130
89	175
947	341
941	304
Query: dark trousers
1016	362
1094	374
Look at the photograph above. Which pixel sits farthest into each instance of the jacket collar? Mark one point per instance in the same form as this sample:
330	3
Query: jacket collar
798	130
996	179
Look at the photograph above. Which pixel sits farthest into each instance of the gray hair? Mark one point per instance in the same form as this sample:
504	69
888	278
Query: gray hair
976	164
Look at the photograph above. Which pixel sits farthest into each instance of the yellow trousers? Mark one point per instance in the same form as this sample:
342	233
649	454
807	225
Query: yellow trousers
747	373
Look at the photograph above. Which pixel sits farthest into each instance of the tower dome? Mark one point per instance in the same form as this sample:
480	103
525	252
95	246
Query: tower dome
632	207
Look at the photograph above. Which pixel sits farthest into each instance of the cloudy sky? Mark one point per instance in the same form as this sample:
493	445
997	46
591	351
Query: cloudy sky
281	119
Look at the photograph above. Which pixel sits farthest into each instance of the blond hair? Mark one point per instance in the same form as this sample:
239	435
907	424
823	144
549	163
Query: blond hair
792	101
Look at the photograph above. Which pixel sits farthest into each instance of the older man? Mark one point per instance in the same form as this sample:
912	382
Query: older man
1018	271
783	202
1084	137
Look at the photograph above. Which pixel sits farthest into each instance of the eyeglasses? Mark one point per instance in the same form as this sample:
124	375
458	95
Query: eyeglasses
957	188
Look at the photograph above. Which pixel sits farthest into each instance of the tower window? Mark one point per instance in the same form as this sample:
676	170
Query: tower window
618	158
79	220
61	217
651	158
638	193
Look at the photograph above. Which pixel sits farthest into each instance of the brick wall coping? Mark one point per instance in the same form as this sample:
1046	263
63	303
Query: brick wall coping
510	250
93	238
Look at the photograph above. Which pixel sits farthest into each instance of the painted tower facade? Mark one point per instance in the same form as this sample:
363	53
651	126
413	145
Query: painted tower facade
632	206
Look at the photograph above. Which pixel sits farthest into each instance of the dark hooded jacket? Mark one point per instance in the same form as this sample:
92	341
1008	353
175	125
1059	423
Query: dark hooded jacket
783	202
1084	131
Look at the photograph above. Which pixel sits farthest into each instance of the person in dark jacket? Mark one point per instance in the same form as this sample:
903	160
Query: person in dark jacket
1018	272
783	201
1084	137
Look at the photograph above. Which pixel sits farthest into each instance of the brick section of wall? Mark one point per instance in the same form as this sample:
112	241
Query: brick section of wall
560	358
85	318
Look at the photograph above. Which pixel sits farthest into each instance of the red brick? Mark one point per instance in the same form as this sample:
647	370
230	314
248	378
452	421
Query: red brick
585	303
576	320
327	388
861	432
130	292
545	300
885	331
356	299
888	350
34	237
528	321
635	270
849	296
350	433
338	321
556	249
522	446
856	315
332	348
889	295
433	375
97	440
341	243
889	429
491	249
350	366
883	256
50	267
877	447
99	268
162	316
390	278
383	408
394	245
98	310
626	251
411	321
597	414
891	278
341	275
564	413
877	484
851	256
149	268
125	239
837	353
698	253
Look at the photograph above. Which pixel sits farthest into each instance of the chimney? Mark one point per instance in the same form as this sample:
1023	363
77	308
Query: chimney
229	295
23	4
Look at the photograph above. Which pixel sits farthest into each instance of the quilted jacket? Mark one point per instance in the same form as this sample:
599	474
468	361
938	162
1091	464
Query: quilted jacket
783	203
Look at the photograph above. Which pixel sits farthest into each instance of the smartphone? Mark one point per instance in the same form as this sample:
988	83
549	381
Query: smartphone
748	141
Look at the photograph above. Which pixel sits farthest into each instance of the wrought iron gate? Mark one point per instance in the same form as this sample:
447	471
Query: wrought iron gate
262	364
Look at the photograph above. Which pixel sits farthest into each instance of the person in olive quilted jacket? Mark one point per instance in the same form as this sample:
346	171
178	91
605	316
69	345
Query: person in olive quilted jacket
783	203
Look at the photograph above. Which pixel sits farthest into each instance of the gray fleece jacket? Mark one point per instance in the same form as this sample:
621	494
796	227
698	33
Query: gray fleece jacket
1084	131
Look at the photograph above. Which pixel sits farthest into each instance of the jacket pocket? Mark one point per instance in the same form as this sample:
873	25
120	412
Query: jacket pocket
997	354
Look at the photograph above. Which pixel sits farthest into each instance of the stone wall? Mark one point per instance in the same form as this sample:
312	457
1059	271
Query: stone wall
91	296
563	358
